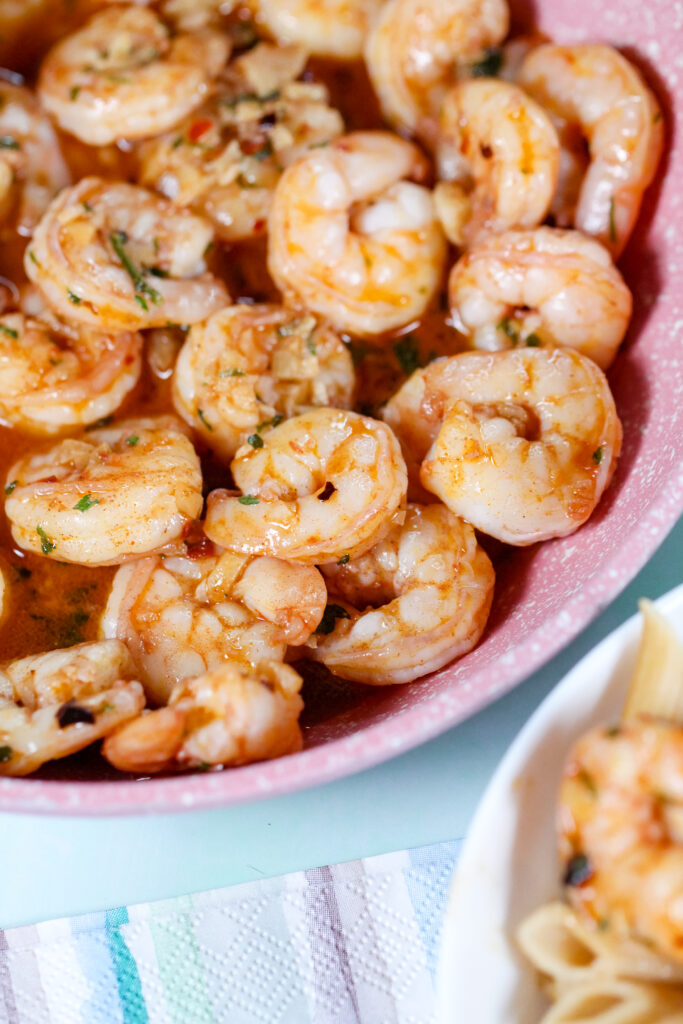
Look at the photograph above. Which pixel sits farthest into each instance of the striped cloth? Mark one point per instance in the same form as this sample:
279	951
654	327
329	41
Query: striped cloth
351	944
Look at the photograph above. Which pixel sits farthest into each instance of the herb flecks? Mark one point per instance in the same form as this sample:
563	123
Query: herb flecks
10	487
509	330
132	440
489	65
408	354
232	372
5	753
344	560
46	545
85	503
255	440
597	456
73	298
329	620
9	331
8	142
202	416
248	499
143	291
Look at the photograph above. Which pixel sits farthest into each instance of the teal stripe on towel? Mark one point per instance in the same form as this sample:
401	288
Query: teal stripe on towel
127	977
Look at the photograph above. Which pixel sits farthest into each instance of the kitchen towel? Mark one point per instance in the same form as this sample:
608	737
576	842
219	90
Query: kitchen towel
355	943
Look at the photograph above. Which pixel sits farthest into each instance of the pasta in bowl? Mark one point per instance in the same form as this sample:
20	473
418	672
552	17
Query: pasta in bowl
277	190
526	920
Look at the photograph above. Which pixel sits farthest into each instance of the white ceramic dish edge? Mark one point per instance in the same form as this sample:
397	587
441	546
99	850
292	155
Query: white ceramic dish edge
481	977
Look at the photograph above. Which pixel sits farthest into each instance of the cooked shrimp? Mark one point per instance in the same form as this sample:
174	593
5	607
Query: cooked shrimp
350	239
546	286
53	704
192	612
116	257
596	88
248	365
622	853
524	442
322	486
115	493
124	76
414	602
32	168
53	378
499	154
413	50
331	28
226	159
233	715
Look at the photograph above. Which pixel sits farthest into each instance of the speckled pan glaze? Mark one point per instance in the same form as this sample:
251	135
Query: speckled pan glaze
546	595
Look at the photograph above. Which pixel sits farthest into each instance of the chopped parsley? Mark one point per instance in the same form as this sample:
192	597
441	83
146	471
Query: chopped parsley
407	353
33	258
329	620
232	372
8	142
10	487
86	502
46	545
200	413
9	331
132	440
73	92
248	499
597	456
275	422
489	65
344	560
255	440
508	328
76	299
118	241
5	754
532	340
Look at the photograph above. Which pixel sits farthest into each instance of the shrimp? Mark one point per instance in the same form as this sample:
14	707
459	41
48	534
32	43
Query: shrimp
351	240
53	378
499	154
32	168
595	88
546	286
622	853
248	365
524	442
124	76
413	50
116	257
330	28
413	603
193	611
324	485
53	704
233	715
225	161
114	494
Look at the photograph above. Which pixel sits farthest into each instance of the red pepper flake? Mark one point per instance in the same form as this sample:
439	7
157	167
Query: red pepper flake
199	128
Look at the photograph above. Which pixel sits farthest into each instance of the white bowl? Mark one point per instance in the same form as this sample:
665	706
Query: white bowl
508	865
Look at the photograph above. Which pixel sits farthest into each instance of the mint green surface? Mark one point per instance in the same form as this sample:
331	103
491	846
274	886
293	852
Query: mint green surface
52	867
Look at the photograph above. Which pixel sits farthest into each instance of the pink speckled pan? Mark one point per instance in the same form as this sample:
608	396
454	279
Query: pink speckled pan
545	595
